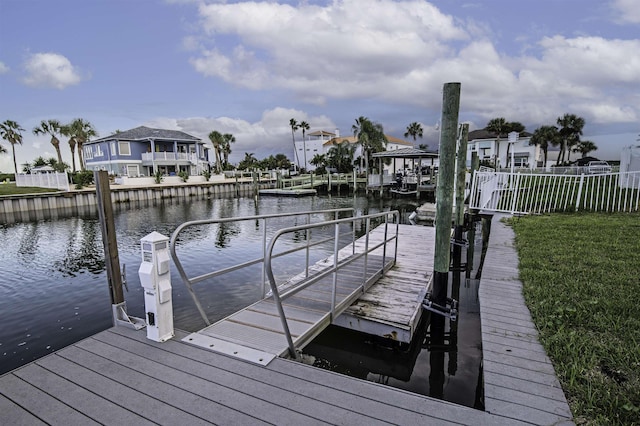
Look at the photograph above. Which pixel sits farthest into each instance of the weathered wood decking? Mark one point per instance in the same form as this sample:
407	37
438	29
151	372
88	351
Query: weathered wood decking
120	377
519	379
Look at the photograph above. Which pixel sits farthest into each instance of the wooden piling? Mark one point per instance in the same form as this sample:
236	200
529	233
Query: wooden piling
444	192
461	173
107	225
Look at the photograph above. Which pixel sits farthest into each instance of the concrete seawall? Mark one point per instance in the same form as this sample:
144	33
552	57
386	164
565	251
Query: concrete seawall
16	208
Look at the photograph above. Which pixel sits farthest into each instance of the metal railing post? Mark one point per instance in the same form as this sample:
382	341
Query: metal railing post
335	269
579	192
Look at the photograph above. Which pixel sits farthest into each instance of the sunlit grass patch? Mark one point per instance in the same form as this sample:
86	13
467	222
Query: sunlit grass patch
581	276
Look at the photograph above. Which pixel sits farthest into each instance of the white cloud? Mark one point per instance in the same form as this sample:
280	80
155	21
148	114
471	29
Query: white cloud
3	68
627	11
270	135
50	70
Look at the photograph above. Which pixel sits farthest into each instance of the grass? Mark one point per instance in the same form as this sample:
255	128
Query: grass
12	189
581	277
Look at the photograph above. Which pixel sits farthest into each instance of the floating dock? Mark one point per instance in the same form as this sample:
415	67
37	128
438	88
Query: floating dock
288	192
119	376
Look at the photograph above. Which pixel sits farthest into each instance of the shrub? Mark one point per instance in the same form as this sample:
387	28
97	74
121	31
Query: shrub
82	178
207	175
184	175
157	177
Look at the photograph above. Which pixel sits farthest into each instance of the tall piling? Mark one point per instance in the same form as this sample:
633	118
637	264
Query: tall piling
444	197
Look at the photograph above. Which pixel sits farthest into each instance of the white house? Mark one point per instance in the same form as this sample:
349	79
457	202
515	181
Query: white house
320	142
494	150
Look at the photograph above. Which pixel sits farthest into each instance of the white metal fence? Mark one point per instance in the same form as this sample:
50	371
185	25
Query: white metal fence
525	193
44	180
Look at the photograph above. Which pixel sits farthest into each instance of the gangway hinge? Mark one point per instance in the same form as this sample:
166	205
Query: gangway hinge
450	310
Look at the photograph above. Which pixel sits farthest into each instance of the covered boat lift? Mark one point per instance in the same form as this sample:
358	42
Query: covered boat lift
422	182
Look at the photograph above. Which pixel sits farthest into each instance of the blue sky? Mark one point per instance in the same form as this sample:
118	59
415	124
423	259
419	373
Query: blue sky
248	67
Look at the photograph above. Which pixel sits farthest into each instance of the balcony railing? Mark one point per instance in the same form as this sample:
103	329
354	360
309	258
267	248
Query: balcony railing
171	156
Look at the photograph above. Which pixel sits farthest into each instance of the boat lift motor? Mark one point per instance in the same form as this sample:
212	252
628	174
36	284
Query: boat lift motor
155	278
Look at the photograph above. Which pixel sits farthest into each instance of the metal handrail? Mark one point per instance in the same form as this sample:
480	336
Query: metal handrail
337	264
189	282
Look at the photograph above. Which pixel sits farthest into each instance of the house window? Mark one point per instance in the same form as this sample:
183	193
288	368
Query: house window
88	153
132	170
124	148
99	152
113	149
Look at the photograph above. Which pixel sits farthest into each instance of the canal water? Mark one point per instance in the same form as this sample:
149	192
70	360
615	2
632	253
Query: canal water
54	292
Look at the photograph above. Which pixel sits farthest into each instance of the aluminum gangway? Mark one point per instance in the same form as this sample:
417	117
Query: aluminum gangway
292	313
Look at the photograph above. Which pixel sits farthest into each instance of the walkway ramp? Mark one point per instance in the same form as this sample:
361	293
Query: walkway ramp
294	313
308	312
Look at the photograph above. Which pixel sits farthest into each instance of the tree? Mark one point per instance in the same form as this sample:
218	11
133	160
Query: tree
68	132
249	162
340	156
50	127
226	148
217	140
497	126
544	137
294	126
11	132
83	131
570	131
370	136
304	126
585	147
414	130
319	161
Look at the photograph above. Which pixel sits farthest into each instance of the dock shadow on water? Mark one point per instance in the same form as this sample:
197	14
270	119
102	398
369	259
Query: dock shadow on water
443	361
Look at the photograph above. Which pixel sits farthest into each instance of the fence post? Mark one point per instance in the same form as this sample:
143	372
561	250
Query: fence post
579	191
516	190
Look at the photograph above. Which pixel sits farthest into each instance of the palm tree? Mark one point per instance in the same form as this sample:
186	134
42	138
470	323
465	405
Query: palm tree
570	131
585	147
319	161
544	137
217	140
370	136
294	126
340	156
50	127
10	131
83	131
497	126
304	126
248	162
226	147
67	131
414	130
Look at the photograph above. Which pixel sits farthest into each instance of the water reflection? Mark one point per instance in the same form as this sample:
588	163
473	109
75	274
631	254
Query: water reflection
54	290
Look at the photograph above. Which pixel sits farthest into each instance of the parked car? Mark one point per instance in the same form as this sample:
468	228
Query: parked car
598	167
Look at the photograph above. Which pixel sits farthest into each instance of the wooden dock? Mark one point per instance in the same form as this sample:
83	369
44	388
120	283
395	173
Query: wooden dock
120	377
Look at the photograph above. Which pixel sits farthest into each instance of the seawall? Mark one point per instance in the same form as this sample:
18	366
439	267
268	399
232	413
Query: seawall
26	207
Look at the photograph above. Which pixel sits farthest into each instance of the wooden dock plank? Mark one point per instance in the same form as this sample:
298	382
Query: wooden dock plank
78	398
12	414
74	364
519	378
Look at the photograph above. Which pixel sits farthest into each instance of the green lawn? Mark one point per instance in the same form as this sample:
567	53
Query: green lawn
581	276
12	189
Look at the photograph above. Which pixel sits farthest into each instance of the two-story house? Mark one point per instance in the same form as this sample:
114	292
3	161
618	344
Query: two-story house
143	151
320	142
493	150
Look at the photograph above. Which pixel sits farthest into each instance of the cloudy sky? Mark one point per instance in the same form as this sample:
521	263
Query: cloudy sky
247	67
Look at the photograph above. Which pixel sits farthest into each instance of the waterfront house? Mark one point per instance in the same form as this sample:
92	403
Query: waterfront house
493	150
320	142
143	151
